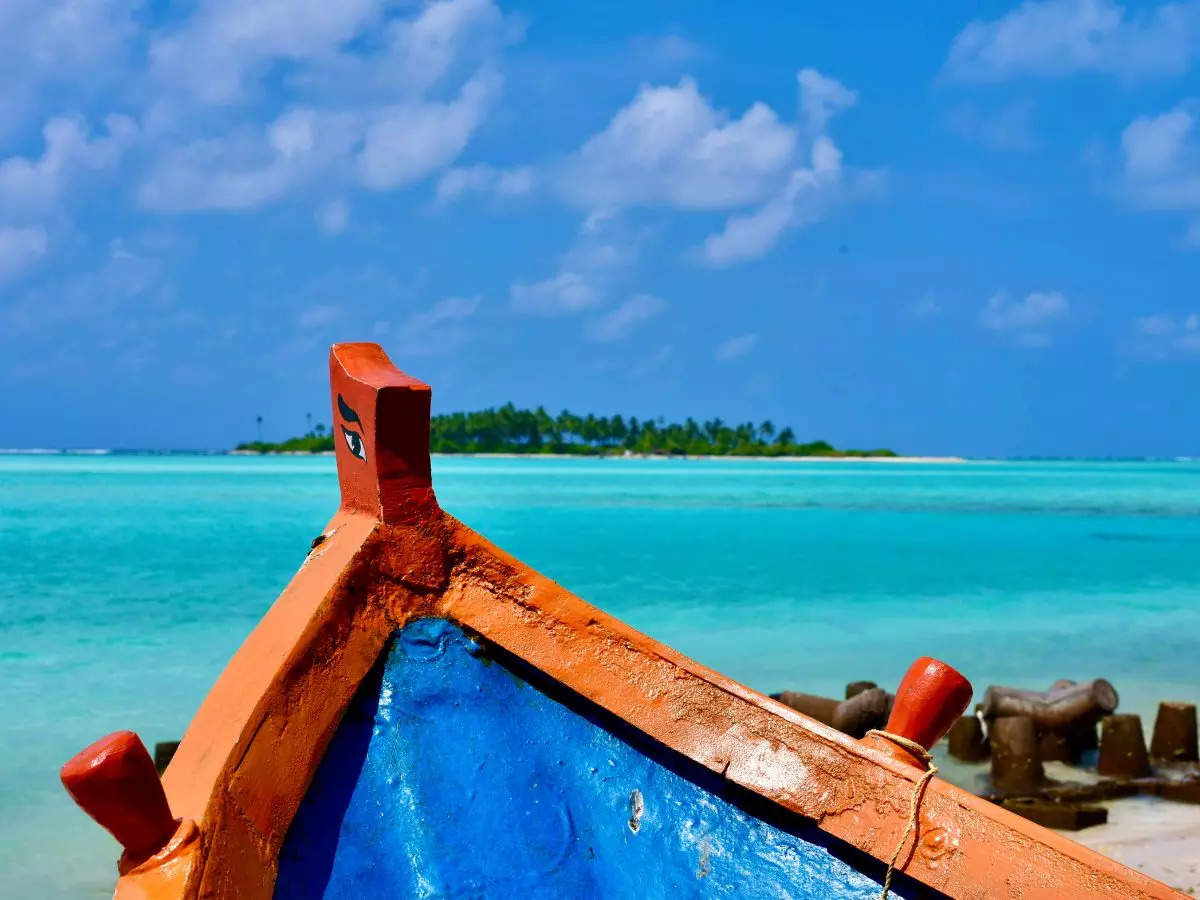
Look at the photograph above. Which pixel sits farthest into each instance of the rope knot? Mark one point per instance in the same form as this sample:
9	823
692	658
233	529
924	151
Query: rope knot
914	803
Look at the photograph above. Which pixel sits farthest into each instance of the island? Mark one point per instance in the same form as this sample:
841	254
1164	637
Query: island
508	430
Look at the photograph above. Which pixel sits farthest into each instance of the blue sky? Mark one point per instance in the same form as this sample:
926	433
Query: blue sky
910	225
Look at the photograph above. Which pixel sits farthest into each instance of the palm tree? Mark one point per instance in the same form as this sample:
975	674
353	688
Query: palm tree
258	422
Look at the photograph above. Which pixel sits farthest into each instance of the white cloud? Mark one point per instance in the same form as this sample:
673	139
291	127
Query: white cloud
436	330
406	142
319	316
349	54
606	243
1164	335
926	307
809	193
1028	322
822	98
1161	161
810	190
430	46
1009	127
449	310
566	292
46	44
1154	145
652	363
735	347
397	145
1156	325
34	187
333	217
606	248
669	147
224	45
109	307
34	190
483	178
1060	37
377	97
19	249
668	49
247	169
620	322
1160	165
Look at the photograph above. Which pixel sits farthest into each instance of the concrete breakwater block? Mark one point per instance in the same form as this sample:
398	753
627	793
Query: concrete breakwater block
1055	746
1122	747
813	706
1016	767
1097	792
164	752
862	712
967	741
1064	717
1064	816
854	688
865	710
1068	744
1057	709
1180	791
1174	736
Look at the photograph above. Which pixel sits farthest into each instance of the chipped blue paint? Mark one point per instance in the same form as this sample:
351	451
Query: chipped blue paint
457	775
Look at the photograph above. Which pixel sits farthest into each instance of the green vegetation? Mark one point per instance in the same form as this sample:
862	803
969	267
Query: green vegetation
512	430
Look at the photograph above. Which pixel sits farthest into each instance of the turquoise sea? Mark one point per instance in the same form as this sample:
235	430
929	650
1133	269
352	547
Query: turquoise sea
126	582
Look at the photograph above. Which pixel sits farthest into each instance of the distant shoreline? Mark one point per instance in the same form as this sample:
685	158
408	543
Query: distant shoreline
714	456
659	456
127	451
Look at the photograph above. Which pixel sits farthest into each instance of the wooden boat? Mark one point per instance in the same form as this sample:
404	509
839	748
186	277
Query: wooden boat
421	715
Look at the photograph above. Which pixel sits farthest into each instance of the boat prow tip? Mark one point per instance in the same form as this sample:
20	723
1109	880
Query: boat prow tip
381	434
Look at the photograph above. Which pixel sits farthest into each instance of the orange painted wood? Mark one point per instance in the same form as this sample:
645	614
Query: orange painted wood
380	433
115	782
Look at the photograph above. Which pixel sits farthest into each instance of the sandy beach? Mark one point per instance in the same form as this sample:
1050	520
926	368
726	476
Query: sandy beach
1157	837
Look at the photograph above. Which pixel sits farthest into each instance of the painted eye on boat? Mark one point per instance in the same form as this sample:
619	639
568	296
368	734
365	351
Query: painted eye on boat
355	442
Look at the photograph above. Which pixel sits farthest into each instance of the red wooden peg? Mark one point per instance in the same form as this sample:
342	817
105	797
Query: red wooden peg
929	701
115	782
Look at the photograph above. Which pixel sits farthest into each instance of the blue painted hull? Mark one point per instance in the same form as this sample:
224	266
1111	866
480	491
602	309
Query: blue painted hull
458	773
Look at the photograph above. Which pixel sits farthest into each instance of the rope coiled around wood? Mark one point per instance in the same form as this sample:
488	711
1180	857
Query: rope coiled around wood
914	805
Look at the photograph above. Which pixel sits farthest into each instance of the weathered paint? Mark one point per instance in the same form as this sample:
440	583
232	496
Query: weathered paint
390	555
455	774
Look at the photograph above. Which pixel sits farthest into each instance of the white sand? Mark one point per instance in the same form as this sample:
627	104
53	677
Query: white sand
1154	836
1158	837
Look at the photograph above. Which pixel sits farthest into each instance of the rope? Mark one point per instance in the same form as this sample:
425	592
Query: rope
914	804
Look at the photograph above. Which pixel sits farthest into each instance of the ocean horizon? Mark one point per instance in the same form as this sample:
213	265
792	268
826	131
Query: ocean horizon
130	579
200	451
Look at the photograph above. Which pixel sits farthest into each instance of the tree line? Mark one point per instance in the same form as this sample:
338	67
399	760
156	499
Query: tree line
507	429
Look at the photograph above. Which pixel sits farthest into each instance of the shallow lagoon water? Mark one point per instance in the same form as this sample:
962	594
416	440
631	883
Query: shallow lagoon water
126	582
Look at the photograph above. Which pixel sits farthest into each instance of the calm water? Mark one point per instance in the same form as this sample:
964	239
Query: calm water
127	582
